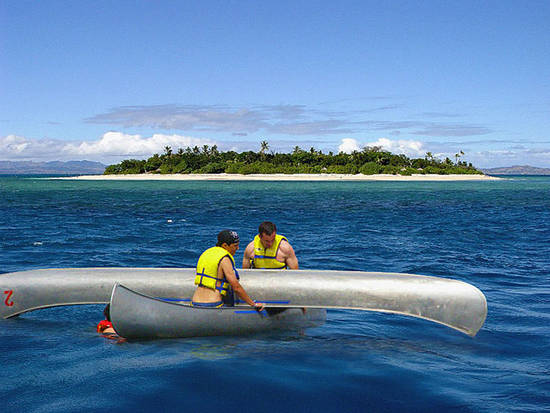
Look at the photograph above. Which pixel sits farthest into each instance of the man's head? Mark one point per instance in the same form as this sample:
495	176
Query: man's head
267	231
228	240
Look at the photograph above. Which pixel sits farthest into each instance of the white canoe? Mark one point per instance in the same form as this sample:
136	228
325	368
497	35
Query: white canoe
456	304
136	315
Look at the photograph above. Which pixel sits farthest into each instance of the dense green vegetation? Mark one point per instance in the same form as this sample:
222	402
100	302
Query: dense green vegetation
369	161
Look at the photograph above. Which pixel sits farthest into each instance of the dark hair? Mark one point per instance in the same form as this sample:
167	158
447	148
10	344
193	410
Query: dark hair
107	312
267	228
227	237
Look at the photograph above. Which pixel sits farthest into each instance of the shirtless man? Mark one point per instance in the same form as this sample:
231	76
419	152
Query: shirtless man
105	327
217	277
269	250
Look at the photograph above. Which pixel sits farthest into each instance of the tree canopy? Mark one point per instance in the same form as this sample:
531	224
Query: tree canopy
369	161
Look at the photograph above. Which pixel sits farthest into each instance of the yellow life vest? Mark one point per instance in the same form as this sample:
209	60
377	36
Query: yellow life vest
267	258
207	269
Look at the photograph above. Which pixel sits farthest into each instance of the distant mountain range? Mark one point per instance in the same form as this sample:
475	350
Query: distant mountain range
51	168
517	170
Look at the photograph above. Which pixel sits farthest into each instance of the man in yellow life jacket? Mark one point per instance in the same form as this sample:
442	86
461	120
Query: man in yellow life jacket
216	275
269	250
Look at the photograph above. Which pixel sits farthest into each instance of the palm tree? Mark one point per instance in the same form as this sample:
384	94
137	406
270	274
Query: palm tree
264	147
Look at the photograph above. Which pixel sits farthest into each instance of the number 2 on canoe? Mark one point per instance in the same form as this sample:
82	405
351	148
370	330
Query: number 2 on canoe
7	301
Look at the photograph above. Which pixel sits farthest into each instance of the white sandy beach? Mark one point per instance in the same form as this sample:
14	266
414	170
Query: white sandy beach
279	177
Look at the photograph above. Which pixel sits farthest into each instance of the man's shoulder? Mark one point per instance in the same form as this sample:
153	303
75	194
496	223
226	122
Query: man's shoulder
249	250
284	245
226	261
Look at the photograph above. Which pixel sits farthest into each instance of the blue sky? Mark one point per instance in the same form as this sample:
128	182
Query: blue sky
112	80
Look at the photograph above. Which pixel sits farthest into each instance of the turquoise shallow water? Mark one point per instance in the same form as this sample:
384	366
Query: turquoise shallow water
491	234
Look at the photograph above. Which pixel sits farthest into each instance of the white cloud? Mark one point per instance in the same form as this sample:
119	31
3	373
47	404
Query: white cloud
13	147
349	145
284	119
116	143
13	144
407	147
401	146
508	157
111	147
272	119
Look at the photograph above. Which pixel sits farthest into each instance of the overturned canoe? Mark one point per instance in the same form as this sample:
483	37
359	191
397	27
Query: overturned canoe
136	315
453	303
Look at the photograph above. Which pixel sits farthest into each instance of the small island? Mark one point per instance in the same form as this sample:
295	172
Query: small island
369	161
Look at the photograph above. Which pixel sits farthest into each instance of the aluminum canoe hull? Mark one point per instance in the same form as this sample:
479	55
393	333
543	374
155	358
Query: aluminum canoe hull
137	316
453	303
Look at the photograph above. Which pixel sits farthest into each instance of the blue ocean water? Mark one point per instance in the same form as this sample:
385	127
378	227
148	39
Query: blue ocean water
494	235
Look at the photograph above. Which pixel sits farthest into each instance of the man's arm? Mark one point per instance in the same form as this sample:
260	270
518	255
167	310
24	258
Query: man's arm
291	260
231	278
248	255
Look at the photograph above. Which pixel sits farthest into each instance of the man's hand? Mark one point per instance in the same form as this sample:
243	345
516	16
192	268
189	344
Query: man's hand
259	306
